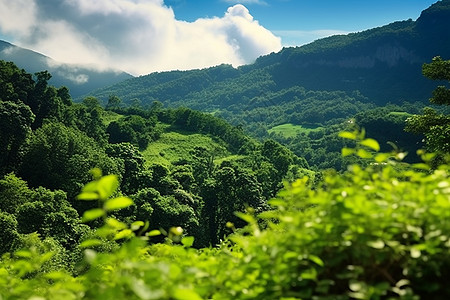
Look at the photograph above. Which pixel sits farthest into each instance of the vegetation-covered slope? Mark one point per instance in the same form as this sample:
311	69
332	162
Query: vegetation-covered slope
358	235
175	163
323	85
179	181
383	63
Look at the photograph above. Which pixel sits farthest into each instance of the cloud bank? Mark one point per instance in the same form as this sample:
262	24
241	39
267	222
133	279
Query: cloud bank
137	36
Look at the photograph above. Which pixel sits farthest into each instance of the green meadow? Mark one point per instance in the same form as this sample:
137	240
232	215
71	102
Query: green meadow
291	130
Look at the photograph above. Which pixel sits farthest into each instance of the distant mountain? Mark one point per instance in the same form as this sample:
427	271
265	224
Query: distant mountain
383	64
79	79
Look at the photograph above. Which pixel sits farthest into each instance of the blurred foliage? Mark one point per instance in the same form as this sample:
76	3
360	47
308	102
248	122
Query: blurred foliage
357	235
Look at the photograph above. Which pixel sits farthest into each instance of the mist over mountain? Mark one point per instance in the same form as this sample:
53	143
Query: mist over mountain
383	64
79	79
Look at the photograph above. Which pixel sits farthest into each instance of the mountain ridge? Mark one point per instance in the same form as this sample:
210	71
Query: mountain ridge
79	79
383	63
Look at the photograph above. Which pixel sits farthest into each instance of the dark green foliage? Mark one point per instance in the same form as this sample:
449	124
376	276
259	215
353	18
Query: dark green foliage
131	162
438	69
87	120
9	234
60	157
357	235
133	129
230	189
382	63
51	215
15	84
434	125
165	211
15	127
13	193
387	126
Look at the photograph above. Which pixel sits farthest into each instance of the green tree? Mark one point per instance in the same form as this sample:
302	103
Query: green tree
15	84
13	193
9	234
134	174
133	129
60	157
433	125
231	189
16	120
114	102
91	102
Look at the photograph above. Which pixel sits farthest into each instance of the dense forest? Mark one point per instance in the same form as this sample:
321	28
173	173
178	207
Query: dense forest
303	96
161	203
261	190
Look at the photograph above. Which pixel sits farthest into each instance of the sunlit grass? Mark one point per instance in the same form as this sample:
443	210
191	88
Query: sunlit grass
291	130
175	146
110	116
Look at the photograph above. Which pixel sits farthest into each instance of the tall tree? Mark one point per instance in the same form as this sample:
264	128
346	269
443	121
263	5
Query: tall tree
15	127
433	125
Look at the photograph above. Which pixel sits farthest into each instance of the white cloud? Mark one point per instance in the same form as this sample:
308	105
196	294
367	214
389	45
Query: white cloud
138	36
75	78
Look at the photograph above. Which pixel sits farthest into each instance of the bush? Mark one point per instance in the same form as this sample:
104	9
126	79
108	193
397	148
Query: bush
370	233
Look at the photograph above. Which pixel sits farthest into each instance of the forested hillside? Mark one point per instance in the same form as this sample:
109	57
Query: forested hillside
314	90
383	64
174	163
153	188
188	207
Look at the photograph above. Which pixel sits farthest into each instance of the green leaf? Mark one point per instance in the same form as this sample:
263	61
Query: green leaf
92	214
23	253
139	287
91	187
136	225
55	275
347	135
126	233
96	173
246	217
316	259
382	157
107	186
422	166
117	203
364	153
113	223
177	231
187	241
347	151
90	243
88	196
378	244
186	294
371	143
153	233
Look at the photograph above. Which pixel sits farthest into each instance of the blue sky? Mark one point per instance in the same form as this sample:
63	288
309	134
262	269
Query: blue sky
144	36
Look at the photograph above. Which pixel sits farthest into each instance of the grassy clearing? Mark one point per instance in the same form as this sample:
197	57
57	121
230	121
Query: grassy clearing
176	146
291	130
399	113
110	116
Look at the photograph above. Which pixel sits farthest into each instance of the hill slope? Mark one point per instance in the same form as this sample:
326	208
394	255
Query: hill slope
79	79
384	64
